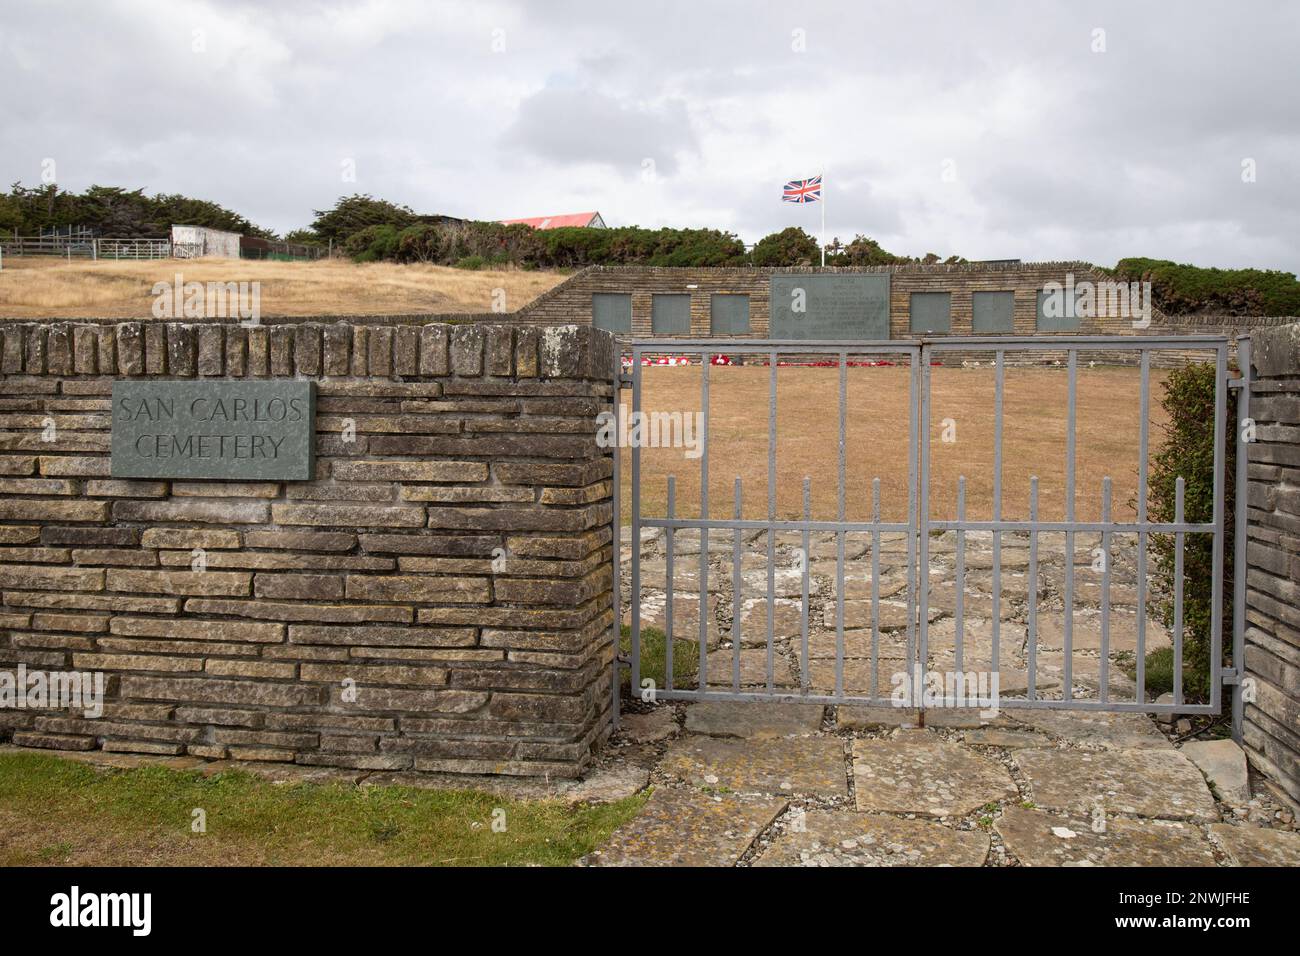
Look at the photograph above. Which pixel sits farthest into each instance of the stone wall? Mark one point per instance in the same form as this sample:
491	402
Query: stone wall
472	443
1272	653
571	300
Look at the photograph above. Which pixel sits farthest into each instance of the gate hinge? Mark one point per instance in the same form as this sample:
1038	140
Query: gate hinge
624	380
621	659
1236	383
1230	675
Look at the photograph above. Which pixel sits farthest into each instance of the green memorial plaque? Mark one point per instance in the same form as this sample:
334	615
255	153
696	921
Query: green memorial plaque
830	306
235	430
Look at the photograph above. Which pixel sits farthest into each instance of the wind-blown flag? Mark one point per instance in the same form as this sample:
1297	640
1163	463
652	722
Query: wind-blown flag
803	190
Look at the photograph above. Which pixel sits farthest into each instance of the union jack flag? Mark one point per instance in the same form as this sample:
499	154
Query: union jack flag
803	190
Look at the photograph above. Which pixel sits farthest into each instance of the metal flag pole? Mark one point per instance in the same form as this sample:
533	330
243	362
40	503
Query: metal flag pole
823	204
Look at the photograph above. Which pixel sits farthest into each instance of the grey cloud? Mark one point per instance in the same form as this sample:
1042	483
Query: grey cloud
1060	151
570	125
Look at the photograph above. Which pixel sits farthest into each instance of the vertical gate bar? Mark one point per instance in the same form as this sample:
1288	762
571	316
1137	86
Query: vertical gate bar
1032	693
844	411
1067	677
737	594
635	627
1178	592
875	588
1239	537
1104	664
771	516
703	682
803	606
913	455
959	599
668	571
617	538
839	613
1144	434
839	534
1220	464
999	381
923	518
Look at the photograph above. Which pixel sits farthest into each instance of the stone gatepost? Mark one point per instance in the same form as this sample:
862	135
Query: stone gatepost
1271	731
435	595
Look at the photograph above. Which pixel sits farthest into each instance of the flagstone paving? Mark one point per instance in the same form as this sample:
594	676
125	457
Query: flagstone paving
1257	846
1036	838
781	784
753	720
753	668
1224	766
813	766
781	790
681	828
651	727
742	617
1150	783
963	718
1111	731
999	737
915	771
874	717
847	838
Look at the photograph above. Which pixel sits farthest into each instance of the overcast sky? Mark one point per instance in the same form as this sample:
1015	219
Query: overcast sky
1081	130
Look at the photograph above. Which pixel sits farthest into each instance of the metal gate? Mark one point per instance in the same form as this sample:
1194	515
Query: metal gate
721	677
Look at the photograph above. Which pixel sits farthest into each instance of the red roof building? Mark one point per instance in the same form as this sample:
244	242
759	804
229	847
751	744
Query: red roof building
589	219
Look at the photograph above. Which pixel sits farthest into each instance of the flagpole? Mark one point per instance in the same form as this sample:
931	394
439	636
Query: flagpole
823	243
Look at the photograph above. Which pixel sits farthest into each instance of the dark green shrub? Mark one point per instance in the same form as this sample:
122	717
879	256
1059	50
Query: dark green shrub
1179	287
789	247
863	252
113	211
420	243
354	214
1159	673
1188	452
372	244
472	263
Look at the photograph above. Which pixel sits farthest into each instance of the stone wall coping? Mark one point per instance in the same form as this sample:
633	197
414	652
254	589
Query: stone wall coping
1276	351
343	349
906	267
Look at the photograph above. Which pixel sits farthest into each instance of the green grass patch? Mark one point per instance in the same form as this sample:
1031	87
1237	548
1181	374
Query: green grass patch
654	658
60	811
1160	676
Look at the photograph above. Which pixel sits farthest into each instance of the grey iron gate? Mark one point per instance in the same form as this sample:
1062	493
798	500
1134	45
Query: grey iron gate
920	525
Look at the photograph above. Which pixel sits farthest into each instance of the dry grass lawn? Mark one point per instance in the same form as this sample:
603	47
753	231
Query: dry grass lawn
47	287
1034	440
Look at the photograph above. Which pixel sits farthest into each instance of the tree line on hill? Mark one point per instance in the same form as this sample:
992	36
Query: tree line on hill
112	211
367	229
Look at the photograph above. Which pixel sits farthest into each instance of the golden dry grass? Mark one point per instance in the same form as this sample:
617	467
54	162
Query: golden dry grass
48	287
876	440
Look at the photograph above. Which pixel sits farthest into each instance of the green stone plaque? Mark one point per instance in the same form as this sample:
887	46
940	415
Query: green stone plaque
235	430
830	306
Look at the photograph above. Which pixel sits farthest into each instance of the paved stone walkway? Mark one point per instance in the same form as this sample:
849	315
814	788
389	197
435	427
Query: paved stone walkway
769	784
731	619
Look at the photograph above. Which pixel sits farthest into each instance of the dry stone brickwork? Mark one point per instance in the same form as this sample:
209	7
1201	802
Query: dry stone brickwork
437	598
573	297
571	302
1272	721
